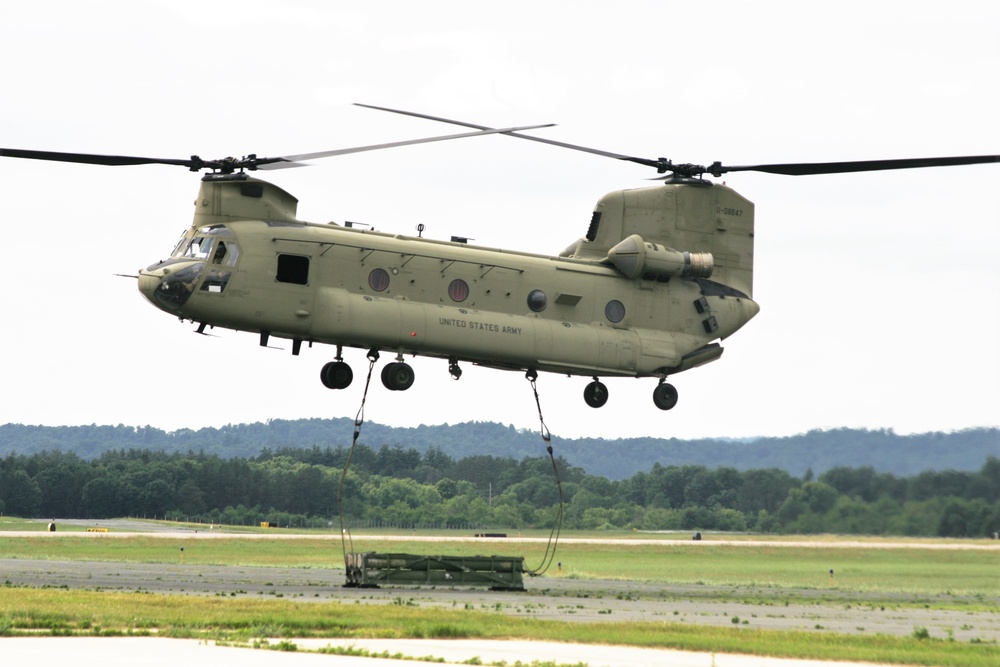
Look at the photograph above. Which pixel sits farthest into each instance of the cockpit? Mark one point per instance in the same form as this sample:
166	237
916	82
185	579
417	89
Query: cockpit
199	245
202	260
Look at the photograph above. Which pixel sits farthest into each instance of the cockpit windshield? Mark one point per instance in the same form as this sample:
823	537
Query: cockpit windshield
180	245
207	243
199	248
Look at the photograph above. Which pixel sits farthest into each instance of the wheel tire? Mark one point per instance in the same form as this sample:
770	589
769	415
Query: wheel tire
336	375
386	372
665	396
595	394
403	377
397	376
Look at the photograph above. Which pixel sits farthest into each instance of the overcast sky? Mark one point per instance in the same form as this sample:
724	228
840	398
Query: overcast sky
879	293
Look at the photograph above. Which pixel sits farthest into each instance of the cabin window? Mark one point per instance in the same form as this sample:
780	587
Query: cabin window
537	300
293	269
378	280
458	290
615	311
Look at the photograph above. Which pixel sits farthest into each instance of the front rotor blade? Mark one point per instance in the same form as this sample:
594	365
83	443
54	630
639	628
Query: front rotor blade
812	168
511	133
90	158
290	160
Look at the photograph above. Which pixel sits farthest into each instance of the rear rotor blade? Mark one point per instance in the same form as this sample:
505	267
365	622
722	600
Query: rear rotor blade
663	165
811	168
513	133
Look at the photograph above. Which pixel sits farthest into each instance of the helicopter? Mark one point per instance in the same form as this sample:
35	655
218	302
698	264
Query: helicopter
660	277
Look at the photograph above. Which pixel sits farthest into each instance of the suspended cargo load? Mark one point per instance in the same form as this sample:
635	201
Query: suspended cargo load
371	570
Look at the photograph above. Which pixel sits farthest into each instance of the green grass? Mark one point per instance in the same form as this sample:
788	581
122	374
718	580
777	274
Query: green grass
34	611
883	570
148	549
901	576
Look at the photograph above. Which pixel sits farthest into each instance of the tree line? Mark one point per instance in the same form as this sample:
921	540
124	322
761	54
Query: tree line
399	487
616	459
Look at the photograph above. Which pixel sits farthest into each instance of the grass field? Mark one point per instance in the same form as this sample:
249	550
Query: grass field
871	570
113	614
924	577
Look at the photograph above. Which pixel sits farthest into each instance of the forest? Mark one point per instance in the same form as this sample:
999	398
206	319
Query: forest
403	487
615	459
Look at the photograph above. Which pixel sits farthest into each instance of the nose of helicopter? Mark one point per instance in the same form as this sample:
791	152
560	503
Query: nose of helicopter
148	282
168	285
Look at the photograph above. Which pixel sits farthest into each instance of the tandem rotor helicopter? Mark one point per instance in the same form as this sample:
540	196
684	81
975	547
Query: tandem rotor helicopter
660	277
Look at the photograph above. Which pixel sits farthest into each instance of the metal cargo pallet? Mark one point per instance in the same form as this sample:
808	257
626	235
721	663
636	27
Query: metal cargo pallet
370	570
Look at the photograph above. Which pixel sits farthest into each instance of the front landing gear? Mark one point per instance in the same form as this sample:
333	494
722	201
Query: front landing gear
665	395
595	394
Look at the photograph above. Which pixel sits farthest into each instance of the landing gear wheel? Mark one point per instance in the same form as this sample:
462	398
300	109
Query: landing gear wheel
595	394
665	396
336	375
397	376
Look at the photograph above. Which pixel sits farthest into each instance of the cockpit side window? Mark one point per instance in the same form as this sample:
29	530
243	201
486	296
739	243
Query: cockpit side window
215	281
226	253
233	255
220	253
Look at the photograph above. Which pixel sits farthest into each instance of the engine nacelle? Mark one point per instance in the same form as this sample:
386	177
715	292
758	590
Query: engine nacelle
635	257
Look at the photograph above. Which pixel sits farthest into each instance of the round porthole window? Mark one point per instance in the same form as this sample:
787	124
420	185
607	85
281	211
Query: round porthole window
537	300
458	290
378	280
615	311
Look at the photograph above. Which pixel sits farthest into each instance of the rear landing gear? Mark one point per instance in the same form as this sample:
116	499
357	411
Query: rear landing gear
397	376
665	396
595	394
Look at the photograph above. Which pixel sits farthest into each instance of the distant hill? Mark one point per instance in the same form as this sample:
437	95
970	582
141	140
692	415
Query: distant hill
883	450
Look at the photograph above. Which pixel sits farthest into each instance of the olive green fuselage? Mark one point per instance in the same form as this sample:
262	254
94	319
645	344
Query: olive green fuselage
247	264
